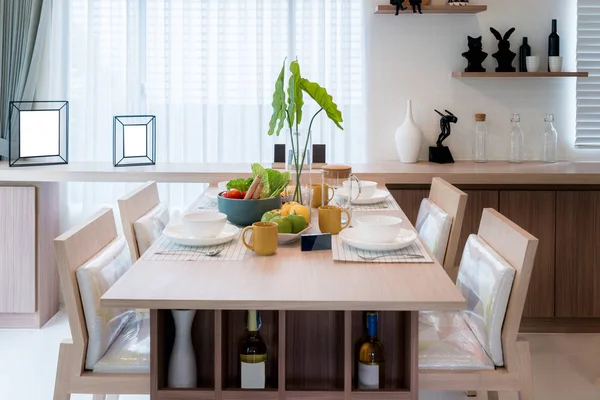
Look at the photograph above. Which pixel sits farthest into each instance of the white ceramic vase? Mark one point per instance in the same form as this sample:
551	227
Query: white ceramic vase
182	365
409	138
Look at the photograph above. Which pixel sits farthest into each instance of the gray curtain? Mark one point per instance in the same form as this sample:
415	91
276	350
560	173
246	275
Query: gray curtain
24	25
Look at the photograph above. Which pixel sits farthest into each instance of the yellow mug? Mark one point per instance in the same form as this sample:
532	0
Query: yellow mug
264	238
317	196
330	219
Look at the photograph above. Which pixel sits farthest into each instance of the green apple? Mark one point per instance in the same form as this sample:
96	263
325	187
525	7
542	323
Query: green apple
298	222
284	224
269	215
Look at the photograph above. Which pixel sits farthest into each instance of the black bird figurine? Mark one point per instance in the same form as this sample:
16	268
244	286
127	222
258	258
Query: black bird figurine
504	56
416	5
398	4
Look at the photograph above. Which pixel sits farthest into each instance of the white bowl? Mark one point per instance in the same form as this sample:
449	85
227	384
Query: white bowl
367	188
204	224
378	228
222	186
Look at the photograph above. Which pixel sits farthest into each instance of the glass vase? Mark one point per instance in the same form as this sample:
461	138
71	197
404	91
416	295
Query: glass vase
299	164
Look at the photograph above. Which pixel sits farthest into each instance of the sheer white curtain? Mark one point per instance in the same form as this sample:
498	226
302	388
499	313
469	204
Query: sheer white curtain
206	69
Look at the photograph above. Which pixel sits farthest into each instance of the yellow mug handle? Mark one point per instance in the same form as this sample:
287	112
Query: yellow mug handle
332	193
246	229
348	221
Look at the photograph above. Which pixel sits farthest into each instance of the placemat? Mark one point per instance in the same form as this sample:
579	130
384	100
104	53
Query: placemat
346	253
389	204
205	202
233	250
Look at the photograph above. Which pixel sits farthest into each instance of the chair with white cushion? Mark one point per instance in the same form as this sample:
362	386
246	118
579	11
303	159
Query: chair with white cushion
110	348
143	217
440	220
478	349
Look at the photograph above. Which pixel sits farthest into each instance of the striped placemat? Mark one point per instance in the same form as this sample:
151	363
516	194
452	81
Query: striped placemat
233	250
346	253
389	204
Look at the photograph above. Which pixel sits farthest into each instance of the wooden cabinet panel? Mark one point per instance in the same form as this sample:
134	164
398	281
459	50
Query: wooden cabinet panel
17	250
477	200
577	254
410	201
535	211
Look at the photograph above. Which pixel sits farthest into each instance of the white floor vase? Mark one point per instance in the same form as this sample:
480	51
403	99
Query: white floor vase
409	138
182	365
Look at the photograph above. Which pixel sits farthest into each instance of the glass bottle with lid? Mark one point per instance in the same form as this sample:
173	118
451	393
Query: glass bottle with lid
480	138
515	140
550	140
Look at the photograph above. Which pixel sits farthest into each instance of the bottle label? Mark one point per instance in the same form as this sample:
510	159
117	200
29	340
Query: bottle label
368	376
253	375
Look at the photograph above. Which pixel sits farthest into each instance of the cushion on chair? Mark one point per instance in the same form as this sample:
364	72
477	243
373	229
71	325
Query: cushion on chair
447	343
94	278
485	280
130	352
433	225
149	227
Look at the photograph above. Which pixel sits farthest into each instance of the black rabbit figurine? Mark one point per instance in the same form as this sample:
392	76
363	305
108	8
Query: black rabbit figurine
504	56
475	56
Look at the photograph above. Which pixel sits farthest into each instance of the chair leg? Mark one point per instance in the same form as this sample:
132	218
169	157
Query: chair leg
525	372
61	385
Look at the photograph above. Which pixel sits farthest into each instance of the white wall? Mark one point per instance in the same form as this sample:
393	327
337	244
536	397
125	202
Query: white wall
413	56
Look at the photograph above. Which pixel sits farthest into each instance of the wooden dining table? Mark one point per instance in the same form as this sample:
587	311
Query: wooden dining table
312	312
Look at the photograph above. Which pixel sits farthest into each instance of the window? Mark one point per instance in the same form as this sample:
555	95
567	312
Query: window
588	59
206	69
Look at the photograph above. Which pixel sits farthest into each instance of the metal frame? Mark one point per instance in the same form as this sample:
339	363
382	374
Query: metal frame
131	161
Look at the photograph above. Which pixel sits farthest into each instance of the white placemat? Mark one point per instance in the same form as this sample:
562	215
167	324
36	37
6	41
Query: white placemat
205	203
346	253
232	251
389	204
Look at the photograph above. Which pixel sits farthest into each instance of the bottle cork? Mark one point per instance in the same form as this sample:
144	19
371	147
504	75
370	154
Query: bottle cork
480	117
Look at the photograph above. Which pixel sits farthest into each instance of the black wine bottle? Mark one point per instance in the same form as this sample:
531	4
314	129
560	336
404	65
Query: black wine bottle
524	52
553	43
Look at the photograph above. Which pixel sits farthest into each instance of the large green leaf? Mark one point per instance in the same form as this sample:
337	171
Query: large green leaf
295	100
323	99
278	104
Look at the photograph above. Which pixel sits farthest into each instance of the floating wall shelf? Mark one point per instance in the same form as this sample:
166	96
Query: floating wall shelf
390	9
520	74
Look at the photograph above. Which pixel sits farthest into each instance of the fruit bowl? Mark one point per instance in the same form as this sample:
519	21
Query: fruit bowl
246	212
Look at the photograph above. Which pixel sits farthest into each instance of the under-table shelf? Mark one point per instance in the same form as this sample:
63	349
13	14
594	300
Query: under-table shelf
433	9
520	74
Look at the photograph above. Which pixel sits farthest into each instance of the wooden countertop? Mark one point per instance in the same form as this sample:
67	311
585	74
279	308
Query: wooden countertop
290	280
463	172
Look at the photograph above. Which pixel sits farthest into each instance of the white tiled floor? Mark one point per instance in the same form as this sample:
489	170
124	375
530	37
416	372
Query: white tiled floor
565	366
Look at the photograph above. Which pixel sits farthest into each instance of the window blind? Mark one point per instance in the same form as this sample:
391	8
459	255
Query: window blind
588	59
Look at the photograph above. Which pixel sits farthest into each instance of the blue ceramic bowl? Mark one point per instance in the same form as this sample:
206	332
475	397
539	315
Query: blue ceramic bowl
246	212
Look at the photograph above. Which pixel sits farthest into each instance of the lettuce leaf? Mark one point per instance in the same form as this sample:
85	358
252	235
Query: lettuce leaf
273	180
240	184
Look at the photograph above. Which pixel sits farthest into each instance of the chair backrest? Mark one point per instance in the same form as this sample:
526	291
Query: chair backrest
517	247
73	249
134	206
453	202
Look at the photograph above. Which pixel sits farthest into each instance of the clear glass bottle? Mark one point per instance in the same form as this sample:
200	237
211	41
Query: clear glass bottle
371	357
480	138
253	355
515	154
550	140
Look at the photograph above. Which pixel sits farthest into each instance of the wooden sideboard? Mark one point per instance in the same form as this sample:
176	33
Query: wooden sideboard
564	293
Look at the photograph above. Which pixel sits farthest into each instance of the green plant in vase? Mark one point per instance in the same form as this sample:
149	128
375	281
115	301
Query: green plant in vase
287	110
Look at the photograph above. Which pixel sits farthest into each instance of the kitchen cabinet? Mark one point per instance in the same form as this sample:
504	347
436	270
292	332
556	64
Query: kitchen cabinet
534	211
577	254
410	201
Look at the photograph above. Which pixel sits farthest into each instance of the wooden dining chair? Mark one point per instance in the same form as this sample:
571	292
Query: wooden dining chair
143	217
109	350
479	349
440	221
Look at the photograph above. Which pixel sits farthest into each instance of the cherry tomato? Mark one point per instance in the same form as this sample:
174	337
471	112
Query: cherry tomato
244	194
233	194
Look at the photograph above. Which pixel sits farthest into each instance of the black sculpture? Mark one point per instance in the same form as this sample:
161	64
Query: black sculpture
416	5
475	56
504	56
440	154
398	4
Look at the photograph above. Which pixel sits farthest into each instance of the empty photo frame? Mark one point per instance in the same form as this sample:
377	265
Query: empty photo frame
38	133
134	140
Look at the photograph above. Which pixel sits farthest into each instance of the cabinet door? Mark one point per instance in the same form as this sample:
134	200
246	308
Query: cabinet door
477	200
578	254
535	211
17	250
410	201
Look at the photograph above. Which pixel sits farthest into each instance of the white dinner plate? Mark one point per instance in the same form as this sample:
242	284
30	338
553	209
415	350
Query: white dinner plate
379	196
284	238
179	234
352	238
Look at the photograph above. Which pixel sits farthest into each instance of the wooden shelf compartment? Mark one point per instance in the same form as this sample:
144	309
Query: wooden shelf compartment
433	9
520	74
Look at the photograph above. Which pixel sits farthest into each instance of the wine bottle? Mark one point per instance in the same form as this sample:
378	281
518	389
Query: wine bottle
553	43
524	52
253	354
371	357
